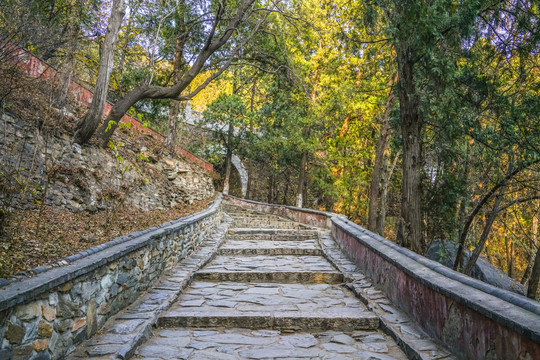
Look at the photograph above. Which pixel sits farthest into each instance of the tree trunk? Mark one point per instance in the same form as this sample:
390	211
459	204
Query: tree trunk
228	159
178	65
532	290
381	214
88	125
485	233
411	126
301	179
534	244
64	81
375	190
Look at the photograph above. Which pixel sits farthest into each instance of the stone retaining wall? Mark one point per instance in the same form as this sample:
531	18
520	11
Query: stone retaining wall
473	319
46	316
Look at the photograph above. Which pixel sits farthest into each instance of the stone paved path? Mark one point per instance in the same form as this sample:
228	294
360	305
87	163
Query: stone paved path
269	294
270	289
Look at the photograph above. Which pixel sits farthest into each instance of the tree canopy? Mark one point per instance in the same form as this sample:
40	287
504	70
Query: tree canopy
418	120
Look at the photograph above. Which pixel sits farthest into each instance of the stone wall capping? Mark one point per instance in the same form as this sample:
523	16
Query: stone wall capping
19	292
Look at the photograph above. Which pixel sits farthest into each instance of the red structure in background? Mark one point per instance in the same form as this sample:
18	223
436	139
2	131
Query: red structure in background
40	69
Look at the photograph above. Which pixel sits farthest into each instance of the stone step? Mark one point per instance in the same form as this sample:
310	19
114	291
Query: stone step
291	307
270	234
277	268
305	277
269	247
268	224
231	344
274	237
271	231
257	216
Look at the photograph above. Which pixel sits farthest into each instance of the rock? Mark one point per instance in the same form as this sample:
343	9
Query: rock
40	269
7	353
23	351
343	339
66	287
44	355
79	323
28	312
104	309
45	329
64	325
91	315
67	309
107	281
125	327
373	338
302	340
41	344
48	313
14	333
444	252
342	349
4	282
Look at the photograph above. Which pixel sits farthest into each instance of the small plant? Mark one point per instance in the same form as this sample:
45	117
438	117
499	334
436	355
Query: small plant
143	157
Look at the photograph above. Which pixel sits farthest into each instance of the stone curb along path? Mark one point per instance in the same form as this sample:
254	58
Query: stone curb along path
263	287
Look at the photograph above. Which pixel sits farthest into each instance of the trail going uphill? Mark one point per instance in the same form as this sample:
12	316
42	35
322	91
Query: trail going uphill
262	287
269	293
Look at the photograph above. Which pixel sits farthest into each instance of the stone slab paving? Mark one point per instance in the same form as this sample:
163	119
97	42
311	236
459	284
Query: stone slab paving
278	268
270	234
224	344
269	305
270	247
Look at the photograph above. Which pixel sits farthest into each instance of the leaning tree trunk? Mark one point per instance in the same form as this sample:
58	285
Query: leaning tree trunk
485	233
534	281
411	125
88	125
534	243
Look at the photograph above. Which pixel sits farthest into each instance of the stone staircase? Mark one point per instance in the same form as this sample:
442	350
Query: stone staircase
269	293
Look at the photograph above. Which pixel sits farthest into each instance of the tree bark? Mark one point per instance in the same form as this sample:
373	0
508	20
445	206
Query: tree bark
375	188
534	243
485	233
381	213
301	180
65	80
88	125
532	290
178	66
228	159
411	127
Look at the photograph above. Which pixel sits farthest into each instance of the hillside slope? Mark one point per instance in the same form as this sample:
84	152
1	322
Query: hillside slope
57	198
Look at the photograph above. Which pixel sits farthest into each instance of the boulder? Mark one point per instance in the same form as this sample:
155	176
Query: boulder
444	252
